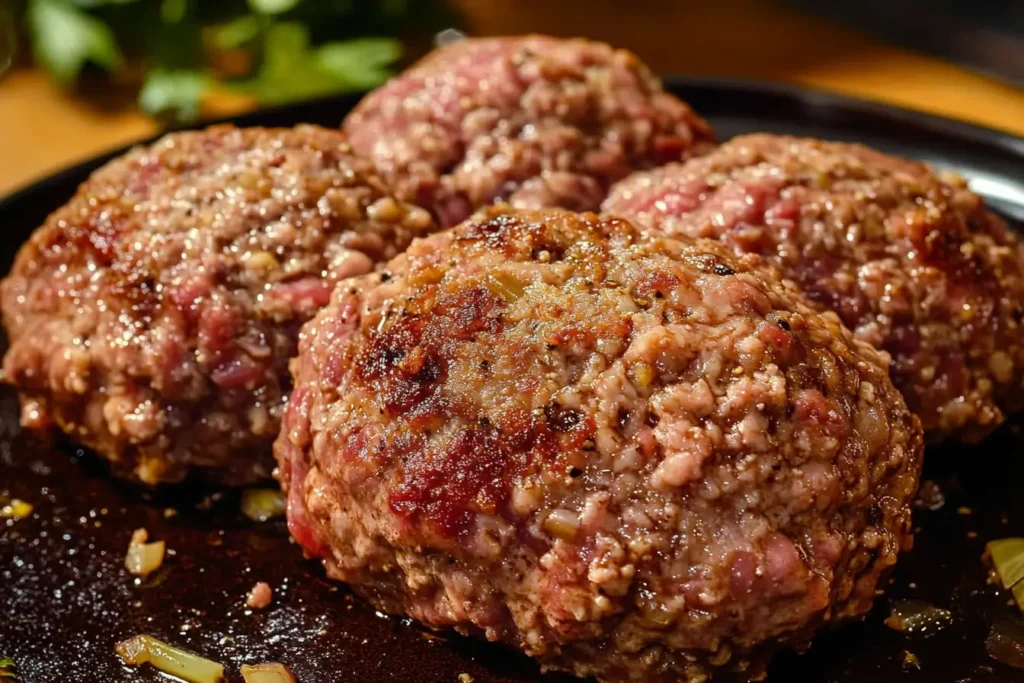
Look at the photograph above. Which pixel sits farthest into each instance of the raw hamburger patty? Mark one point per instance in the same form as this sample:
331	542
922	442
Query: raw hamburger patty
632	457
153	316
535	121
912	263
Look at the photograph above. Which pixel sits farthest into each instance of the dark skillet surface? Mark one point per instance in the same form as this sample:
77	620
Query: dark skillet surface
65	598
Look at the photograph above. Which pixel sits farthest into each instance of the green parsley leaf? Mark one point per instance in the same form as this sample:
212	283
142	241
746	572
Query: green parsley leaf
236	32
178	93
360	63
293	70
173	11
283	75
99	3
272	6
66	38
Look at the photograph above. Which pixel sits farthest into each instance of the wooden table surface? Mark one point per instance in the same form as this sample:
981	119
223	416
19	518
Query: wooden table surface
42	129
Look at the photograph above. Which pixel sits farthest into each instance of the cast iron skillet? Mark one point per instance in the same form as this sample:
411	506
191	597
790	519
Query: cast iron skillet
65	598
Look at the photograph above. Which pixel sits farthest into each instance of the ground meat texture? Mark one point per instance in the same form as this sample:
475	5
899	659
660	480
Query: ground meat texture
152	317
630	456
912	262
535	121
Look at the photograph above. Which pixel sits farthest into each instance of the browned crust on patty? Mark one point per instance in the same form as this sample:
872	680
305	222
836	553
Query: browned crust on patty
532	120
152	317
913	262
630	456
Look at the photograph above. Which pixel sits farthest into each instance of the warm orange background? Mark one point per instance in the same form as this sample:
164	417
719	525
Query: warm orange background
42	130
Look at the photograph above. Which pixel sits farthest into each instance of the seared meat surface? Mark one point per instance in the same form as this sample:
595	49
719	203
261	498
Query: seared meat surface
532	120
912	262
631	456
152	317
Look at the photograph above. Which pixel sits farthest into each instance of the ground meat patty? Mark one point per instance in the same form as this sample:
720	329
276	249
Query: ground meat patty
536	121
153	316
631	457
912	263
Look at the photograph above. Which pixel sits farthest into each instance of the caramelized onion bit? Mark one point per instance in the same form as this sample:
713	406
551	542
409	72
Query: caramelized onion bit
505	285
562	524
262	261
1007	557
643	375
271	672
15	509
259	505
143	558
143	649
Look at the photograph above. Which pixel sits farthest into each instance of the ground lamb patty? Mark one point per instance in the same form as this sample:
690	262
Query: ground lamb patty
632	457
535	121
152	317
913	263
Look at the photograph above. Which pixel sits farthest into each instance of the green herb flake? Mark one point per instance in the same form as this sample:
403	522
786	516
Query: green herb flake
173	52
272	6
178	93
173	11
66	38
360	63
236	32
293	70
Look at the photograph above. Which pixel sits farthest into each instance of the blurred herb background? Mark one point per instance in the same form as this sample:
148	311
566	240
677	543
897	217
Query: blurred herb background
171	54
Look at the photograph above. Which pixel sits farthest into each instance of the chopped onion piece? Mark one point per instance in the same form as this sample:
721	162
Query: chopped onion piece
505	285
1007	555
562	524
15	509
259	505
144	558
7	670
271	672
1018	595
143	649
